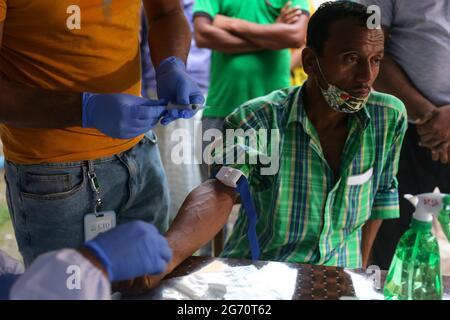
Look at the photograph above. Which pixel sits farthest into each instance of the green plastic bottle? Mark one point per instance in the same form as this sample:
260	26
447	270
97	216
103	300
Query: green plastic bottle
415	270
414	273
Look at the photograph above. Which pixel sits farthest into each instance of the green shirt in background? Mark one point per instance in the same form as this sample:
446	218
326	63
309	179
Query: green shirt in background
237	78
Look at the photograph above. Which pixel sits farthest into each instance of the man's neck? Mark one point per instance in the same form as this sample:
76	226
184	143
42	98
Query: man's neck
319	112
331	126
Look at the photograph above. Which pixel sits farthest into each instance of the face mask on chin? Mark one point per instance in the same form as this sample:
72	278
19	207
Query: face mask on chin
338	99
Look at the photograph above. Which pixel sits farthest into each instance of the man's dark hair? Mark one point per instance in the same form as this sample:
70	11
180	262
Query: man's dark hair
329	12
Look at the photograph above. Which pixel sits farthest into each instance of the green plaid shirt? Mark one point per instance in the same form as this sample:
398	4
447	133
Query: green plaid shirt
305	213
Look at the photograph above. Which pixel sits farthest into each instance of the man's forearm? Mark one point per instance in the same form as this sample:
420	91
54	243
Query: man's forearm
169	33
23	106
270	36
211	37
202	215
369	233
393	80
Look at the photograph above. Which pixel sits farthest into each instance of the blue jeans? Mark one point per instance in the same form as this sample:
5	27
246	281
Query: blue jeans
48	202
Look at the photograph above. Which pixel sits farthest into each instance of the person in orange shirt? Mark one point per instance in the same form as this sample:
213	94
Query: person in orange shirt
71	119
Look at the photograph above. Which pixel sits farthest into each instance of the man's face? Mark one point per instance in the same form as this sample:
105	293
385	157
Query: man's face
351	57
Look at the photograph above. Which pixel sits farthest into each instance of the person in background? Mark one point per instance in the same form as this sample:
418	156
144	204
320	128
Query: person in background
298	75
72	119
181	177
416	69
250	58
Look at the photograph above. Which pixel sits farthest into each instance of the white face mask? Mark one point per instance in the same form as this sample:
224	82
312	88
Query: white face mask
338	99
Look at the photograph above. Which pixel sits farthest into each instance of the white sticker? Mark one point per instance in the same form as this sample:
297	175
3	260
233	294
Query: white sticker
360	179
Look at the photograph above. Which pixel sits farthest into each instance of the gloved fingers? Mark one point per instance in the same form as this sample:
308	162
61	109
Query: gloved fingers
148	112
181	113
151	228
197	98
143	125
159	266
168	119
154	102
147	125
187	114
174	113
183	93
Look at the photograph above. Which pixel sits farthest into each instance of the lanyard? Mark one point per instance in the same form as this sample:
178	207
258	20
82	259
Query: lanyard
243	188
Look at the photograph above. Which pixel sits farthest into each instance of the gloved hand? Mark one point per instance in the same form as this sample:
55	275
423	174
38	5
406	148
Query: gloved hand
173	84
120	115
6	282
131	250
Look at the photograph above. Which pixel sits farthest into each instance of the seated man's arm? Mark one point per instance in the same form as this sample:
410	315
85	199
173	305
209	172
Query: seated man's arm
269	36
202	215
386	202
209	36
369	233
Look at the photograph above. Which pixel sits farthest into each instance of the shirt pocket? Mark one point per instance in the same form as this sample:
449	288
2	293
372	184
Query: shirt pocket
354	201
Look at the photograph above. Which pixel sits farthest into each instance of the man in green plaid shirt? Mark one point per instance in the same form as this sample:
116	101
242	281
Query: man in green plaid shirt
312	211
338	147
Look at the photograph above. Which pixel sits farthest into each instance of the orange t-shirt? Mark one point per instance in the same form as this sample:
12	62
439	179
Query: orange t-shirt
69	45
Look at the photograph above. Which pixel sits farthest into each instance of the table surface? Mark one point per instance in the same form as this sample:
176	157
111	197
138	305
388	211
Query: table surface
313	282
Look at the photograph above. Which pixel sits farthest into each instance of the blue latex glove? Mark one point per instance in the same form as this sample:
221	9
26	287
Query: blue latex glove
121	115
175	85
131	250
6	282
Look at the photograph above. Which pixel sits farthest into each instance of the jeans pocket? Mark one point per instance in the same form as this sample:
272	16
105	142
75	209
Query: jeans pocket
45	184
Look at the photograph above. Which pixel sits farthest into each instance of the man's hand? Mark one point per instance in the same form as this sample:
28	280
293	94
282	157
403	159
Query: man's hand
434	128
121	116
223	22
173	84
441	153
288	31
138	285
288	14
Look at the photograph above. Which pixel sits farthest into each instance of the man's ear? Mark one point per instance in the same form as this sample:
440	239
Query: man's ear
308	60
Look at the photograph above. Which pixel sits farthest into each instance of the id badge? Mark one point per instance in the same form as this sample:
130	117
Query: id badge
95	224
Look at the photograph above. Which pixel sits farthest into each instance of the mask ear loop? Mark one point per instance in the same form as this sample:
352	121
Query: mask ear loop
321	74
